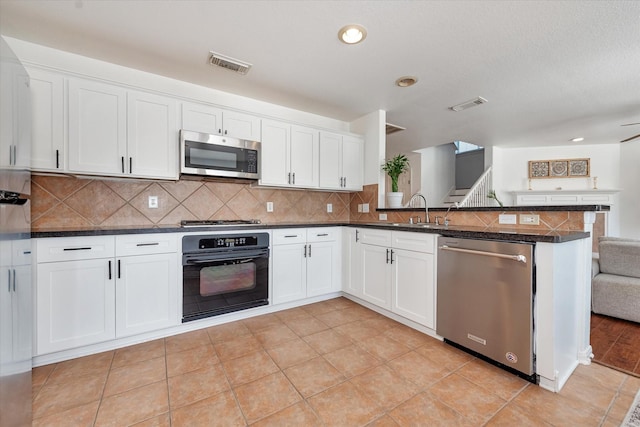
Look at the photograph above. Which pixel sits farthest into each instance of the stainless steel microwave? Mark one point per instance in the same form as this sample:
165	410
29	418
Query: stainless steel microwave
214	155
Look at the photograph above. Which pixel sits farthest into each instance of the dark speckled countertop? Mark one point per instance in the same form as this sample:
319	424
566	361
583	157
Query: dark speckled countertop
488	233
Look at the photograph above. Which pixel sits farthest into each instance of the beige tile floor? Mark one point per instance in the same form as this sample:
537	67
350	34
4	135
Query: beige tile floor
332	363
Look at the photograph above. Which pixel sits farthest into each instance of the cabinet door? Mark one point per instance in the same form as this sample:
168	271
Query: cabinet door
352	162
413	286
331	176
146	293
240	125
97	128
304	157
323	268
352	271
47	115
376	286
201	118
289	273
75	304
274	156
152	136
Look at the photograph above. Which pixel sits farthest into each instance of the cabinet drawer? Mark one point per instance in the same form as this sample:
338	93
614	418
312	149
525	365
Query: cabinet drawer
322	234
419	242
372	236
289	235
74	248
146	244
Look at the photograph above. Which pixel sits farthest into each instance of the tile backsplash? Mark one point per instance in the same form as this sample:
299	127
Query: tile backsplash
70	202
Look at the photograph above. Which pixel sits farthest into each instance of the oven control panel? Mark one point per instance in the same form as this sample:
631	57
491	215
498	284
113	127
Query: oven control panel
228	242
194	243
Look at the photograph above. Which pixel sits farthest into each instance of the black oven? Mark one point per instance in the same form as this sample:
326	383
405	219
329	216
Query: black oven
224	273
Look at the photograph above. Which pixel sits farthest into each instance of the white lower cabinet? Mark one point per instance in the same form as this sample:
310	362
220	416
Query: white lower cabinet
95	289
146	283
397	270
352	272
75	304
305	262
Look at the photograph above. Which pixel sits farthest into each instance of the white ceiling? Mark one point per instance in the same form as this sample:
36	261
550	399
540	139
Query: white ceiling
551	71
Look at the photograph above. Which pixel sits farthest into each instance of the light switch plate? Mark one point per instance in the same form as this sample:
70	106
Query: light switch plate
507	219
329	208
153	202
269	206
382	217
365	207
359	207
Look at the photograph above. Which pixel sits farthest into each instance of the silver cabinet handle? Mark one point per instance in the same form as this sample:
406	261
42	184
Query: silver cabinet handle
109	269
289	178
130	164
294	179
345	181
148	244
118	269
8	280
14	280
290	235
122	163
357	237
305	251
322	234
391	256
387	256
309	250
57	159
87	248
518	258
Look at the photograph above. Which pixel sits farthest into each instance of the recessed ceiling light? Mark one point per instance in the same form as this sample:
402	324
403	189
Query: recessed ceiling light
577	139
406	81
352	34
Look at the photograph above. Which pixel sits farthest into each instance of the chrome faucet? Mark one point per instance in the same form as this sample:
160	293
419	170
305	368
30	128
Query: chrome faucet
426	207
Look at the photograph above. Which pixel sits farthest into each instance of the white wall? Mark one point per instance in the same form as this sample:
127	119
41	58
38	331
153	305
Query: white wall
438	172
511	172
630	184
372	126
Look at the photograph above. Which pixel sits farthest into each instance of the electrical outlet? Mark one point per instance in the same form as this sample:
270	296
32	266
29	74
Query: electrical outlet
507	219
529	219
329	208
382	217
359	207
153	202
269	206
365	207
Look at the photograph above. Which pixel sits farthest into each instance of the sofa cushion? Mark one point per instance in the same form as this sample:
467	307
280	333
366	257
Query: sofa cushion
616	296
620	257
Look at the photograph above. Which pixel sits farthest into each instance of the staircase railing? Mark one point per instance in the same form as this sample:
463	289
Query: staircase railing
477	195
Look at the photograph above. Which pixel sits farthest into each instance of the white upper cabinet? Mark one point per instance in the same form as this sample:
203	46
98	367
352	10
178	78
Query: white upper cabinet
216	121
290	155
305	156
47	115
274	164
97	128
341	161
117	132
152	136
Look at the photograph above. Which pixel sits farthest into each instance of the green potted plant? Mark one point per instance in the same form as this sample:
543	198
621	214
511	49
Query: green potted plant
394	168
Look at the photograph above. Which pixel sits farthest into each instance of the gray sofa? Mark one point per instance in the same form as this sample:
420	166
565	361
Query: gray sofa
615	285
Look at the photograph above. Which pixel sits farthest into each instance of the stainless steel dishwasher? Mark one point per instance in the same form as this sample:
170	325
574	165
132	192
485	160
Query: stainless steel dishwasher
485	297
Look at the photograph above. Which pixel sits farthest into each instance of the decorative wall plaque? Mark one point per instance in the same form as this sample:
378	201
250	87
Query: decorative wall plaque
561	168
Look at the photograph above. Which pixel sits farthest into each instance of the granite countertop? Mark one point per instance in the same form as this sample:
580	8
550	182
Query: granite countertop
523	208
490	233
485	233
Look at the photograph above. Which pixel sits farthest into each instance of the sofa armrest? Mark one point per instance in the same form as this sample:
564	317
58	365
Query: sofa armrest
595	265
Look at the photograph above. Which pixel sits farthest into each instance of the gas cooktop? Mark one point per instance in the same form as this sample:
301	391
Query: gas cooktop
215	222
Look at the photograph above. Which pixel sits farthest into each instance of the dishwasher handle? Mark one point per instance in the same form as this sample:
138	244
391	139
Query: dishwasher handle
519	258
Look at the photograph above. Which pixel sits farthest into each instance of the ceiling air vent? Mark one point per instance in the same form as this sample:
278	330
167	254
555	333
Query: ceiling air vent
229	63
392	128
472	103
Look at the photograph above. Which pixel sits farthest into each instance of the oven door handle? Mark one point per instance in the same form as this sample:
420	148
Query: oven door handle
245	255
